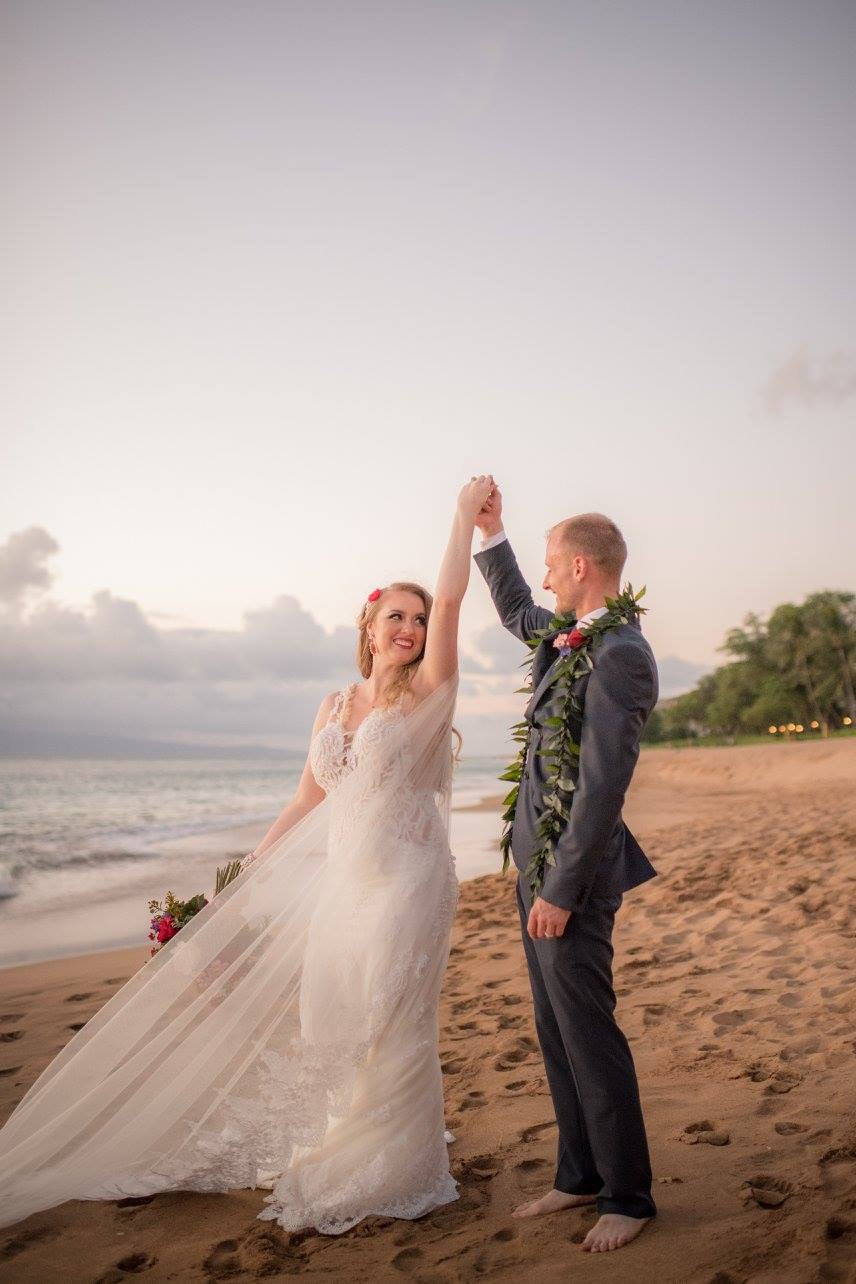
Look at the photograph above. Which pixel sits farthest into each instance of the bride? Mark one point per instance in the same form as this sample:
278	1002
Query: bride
287	1037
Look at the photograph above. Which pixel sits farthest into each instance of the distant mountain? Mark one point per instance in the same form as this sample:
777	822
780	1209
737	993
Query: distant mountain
678	676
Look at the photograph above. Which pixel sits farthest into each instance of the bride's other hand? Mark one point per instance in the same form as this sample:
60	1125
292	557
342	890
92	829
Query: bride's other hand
473	497
489	518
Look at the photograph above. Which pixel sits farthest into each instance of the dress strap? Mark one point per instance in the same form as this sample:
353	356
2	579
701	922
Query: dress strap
342	702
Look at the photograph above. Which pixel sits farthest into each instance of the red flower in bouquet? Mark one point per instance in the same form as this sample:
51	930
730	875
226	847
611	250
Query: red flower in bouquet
171	915
166	928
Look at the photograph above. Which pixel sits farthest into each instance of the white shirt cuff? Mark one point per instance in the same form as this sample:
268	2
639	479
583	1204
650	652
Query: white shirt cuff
492	540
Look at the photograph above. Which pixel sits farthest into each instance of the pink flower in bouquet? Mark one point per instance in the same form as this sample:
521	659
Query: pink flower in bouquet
166	929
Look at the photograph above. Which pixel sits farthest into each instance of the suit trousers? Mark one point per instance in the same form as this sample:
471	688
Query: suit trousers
602	1149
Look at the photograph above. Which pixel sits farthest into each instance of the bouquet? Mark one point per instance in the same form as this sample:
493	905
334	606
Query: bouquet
169	917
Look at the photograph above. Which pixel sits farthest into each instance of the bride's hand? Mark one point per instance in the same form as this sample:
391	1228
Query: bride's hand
474	496
489	519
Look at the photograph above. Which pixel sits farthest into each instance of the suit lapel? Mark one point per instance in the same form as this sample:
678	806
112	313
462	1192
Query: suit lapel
543	682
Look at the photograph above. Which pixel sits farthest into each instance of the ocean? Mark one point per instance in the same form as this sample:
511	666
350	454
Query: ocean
91	841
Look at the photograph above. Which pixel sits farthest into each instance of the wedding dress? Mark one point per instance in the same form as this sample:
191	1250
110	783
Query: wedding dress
287	1037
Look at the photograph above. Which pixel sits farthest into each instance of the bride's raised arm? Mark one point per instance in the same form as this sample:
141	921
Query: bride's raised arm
441	640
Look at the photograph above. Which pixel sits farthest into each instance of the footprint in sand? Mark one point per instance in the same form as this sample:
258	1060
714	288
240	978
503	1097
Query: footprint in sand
452	1067
512	1057
767	1191
786	1126
407	1259
134	1263
78	1025
471	1101
480	1167
223	1260
116	980
535	1130
78	998
12	1016
530	1165
704	1132
500	954
24	1240
790	1000
9	1036
783	1081
465	1005
728	1020
10	1070
509	1023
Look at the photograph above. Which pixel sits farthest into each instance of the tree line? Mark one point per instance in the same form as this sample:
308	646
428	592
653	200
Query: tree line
798	667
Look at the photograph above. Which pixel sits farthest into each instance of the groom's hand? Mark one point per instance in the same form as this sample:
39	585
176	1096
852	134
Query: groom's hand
546	920
489	518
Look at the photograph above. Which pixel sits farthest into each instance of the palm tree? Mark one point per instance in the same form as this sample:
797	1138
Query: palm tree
833	623
791	647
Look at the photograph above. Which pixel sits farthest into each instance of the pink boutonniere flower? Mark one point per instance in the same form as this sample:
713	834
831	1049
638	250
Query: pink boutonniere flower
567	642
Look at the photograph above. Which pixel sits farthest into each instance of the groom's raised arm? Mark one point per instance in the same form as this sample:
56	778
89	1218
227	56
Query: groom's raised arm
511	595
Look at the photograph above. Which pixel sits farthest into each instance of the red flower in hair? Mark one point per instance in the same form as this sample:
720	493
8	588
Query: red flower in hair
373	597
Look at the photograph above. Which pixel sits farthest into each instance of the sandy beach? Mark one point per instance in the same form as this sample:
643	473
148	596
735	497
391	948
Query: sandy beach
733	971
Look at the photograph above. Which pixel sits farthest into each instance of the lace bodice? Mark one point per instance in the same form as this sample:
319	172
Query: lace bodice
334	752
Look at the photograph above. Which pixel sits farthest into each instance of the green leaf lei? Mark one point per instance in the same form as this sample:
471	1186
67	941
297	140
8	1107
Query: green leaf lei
561	751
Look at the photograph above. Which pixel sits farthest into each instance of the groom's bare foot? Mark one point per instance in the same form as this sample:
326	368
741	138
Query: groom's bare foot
553	1202
612	1230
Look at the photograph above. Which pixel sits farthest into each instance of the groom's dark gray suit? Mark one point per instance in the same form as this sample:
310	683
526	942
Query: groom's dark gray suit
602	1147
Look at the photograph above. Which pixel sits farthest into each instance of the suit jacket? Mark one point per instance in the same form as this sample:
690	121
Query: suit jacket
596	852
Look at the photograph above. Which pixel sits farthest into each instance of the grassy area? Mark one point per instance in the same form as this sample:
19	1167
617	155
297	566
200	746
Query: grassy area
712	742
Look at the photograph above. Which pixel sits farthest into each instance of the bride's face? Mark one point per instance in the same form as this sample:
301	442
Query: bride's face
399	627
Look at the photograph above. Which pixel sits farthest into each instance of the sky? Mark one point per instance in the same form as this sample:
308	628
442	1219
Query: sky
279	277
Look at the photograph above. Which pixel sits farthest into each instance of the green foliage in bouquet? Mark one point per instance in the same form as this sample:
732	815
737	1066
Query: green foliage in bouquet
225	876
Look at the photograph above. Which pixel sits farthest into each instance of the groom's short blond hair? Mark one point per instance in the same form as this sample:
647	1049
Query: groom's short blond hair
595	536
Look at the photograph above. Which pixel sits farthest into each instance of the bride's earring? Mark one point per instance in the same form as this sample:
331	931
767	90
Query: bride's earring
372	646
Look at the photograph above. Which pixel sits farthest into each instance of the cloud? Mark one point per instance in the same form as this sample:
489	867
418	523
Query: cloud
109	679
497	651
22	560
69	675
802	381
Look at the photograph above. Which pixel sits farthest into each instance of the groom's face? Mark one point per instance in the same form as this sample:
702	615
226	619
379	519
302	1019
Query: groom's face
561	578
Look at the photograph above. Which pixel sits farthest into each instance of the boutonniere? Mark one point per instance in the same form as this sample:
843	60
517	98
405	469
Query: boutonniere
560	750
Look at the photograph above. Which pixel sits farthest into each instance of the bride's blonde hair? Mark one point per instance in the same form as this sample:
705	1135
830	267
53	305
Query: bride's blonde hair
403	677
400	682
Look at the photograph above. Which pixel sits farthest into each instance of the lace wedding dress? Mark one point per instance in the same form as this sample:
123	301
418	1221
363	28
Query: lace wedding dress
287	1037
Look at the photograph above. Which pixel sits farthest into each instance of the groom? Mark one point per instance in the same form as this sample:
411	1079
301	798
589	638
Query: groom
567	931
